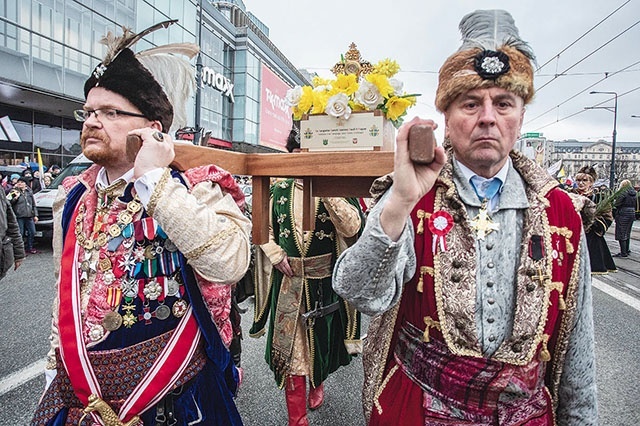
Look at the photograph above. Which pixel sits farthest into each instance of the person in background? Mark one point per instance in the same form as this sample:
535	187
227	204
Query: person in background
24	207
13	179
600	257
36	185
12	250
312	332
55	170
625	206
47	178
146	256
475	266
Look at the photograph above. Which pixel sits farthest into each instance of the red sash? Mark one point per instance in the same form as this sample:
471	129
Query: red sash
166	370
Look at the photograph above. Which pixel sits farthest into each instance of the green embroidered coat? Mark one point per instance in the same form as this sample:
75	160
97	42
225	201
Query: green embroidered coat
327	337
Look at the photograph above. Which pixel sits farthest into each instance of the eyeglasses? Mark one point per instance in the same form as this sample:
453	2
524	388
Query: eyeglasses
110	114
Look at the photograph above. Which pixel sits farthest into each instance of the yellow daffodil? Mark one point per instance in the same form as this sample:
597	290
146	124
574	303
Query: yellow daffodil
319	81
350	92
381	82
396	107
347	84
386	67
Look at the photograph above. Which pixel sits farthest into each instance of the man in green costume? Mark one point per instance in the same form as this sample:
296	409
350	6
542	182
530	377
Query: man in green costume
312	331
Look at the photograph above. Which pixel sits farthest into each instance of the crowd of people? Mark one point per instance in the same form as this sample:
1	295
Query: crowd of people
476	268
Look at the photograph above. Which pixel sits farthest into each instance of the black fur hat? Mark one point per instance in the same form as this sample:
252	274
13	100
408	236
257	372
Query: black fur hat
126	76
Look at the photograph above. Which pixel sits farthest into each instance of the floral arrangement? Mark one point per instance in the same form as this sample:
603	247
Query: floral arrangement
352	92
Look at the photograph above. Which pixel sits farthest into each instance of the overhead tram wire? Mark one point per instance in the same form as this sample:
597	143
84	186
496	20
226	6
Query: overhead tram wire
606	76
582	36
584	58
582	111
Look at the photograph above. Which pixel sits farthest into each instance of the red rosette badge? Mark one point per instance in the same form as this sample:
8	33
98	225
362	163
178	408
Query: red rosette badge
440	223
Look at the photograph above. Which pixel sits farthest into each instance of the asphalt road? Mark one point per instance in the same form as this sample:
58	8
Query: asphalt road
24	326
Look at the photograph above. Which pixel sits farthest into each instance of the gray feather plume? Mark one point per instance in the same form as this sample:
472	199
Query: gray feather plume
115	45
490	29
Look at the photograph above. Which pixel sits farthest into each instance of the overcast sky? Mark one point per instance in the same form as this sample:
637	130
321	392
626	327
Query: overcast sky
421	34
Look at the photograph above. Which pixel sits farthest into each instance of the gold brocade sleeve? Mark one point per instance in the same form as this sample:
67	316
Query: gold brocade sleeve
54	337
345	216
207	227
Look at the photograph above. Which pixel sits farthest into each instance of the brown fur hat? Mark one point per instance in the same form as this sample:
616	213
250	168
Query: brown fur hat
492	55
588	170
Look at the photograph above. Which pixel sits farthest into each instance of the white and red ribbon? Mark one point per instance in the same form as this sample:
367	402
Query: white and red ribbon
440	223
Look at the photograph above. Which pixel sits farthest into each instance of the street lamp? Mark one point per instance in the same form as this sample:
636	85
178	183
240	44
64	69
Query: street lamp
613	139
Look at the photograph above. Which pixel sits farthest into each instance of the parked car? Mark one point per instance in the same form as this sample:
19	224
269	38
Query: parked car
45	197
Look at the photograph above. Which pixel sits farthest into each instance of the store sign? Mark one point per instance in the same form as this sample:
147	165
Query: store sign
275	115
218	82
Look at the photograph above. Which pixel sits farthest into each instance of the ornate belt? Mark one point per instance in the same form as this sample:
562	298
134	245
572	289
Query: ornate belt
472	385
118	372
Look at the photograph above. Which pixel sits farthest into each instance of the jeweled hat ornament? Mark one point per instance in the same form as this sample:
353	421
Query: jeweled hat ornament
158	81
492	55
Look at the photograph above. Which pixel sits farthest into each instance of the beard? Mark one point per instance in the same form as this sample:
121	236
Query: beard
100	152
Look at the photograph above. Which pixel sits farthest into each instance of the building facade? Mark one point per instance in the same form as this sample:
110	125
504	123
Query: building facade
576	154
49	47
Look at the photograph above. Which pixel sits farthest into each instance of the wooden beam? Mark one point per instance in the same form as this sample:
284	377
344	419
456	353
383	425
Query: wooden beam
325	174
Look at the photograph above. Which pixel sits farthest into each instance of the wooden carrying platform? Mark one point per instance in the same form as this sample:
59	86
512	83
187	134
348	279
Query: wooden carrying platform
324	174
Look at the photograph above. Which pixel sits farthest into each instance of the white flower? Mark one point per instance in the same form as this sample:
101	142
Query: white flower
293	96
397	86
368	95
338	106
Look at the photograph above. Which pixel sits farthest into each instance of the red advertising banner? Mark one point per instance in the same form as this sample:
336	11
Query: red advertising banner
275	114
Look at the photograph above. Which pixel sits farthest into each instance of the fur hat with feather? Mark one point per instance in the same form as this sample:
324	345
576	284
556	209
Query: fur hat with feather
492	55
158	81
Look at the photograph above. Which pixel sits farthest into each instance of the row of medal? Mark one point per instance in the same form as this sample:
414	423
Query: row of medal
156	289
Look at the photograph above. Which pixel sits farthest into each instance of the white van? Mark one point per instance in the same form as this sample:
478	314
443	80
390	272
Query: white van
45	197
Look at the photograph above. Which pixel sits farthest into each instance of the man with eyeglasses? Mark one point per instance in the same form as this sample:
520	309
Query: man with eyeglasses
146	259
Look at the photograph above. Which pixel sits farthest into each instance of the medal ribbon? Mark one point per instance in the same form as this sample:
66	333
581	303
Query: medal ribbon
156	383
114	296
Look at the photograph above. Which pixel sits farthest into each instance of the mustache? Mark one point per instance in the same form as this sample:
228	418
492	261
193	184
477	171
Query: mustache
92	134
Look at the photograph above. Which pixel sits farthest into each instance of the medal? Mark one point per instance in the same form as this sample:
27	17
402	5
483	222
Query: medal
179	308
112	321
173	287
162	312
108	277
102	239
149	252
129	319
125	217
96	332
133	207
482	223
114	230
104	264
169	245
152	290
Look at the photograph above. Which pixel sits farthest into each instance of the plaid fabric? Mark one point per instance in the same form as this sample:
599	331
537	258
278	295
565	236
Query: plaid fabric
118	372
471	389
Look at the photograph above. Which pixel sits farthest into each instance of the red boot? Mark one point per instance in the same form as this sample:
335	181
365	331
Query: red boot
295	391
316	396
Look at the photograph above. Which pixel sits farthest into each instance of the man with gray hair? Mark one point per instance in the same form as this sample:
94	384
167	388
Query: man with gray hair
475	266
